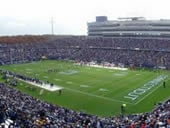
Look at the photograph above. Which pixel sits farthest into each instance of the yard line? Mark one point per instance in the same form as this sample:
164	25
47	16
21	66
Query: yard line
101	97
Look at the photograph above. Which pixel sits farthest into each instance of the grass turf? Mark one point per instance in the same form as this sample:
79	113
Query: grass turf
92	90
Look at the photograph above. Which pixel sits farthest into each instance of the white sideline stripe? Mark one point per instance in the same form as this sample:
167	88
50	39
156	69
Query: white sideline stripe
101	97
100	66
44	86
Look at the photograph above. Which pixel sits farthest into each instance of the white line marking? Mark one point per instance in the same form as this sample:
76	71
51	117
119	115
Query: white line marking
147	94
101	97
69	82
57	79
103	90
84	86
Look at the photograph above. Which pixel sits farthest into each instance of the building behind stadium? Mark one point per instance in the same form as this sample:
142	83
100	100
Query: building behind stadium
129	27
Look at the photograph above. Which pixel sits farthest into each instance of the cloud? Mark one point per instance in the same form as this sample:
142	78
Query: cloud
71	16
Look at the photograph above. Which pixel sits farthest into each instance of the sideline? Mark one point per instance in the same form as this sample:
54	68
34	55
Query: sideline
101	66
44	86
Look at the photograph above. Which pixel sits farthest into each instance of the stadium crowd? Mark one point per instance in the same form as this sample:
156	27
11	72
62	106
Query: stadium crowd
146	52
19	110
23	111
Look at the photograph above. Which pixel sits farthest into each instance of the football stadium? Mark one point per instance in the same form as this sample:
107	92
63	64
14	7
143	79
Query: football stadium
115	77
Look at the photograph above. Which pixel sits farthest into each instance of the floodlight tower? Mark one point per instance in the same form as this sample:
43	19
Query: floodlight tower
52	26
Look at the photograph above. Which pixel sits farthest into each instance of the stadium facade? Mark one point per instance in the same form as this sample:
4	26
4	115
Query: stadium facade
129	26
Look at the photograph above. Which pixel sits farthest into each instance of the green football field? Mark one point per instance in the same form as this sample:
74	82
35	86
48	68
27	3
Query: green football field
93	90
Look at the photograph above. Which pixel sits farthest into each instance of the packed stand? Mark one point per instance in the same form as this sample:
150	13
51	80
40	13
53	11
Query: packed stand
146	52
23	111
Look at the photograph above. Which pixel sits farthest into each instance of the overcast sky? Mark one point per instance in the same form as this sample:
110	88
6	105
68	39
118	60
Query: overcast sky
19	17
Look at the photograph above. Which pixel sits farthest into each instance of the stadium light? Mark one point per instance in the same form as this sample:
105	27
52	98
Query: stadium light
52	26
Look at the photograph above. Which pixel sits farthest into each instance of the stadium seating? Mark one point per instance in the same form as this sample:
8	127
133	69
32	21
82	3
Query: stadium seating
146	52
20	110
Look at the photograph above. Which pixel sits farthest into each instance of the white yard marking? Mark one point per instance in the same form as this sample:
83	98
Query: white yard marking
68	72
92	95
69	82
57	79
103	90
84	86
